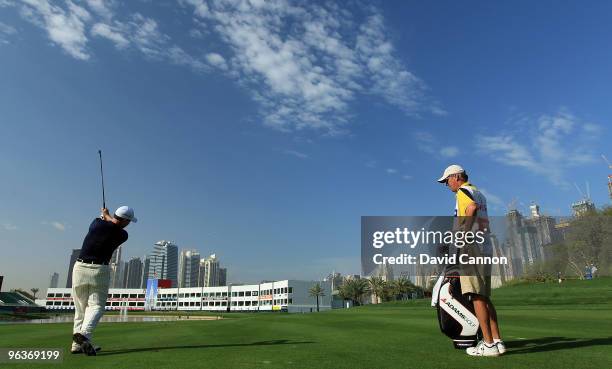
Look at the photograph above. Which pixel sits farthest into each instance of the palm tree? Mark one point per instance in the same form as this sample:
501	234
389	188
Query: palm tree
361	288
354	290
317	291
418	290
396	289
34	291
377	287
347	289
403	287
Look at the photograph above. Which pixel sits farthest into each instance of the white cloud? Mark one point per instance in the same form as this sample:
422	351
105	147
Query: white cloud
55	224
179	56
391	171
59	226
69	25
592	130
143	34
6	31
304	64
492	199
101	7
64	26
508	151
449	151
388	76
216	60
297	154
196	33
201	8
426	142
9	227
147	36
111	33
407	177
549	147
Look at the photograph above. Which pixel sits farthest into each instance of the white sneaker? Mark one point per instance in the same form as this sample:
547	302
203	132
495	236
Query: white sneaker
501	347
76	348
84	345
482	349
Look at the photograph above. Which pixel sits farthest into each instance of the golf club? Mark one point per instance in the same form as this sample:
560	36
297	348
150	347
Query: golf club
102	175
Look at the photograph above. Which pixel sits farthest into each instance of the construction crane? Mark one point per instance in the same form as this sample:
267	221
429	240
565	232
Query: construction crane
582	196
609	175
512	205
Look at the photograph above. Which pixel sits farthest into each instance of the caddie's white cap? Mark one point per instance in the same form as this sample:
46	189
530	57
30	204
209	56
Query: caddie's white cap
452	169
125	212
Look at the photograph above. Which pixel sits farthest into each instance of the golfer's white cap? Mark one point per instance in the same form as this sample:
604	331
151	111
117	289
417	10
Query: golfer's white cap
125	212
452	169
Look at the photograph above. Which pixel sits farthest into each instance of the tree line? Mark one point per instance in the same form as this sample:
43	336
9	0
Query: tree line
356	290
587	243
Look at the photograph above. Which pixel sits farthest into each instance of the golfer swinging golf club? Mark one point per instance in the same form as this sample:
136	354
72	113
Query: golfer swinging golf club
91	274
472	205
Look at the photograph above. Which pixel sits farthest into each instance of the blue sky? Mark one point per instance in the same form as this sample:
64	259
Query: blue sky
262	131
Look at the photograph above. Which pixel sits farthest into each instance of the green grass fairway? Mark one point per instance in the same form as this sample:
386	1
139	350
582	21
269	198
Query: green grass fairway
544	325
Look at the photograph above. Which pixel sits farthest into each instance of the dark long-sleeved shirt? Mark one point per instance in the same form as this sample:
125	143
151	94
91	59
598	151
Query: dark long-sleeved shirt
101	241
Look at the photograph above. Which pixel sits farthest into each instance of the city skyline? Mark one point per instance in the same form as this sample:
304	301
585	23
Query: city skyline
265	140
529	213
543	228
193	271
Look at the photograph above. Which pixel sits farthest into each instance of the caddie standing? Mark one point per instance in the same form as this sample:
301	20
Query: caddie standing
91	275
471	209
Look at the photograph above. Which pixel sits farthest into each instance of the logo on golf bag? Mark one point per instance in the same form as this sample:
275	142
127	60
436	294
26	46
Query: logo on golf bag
461	315
466	320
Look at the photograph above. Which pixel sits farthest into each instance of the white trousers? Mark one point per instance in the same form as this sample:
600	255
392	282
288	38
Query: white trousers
89	292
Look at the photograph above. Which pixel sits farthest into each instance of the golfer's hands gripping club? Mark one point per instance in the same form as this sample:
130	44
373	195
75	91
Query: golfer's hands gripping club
105	215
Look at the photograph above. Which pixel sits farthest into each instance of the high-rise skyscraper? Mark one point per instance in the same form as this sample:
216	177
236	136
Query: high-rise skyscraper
54	280
208	275
145	272
222	276
133	273
164	262
73	257
116	269
116	258
189	262
124	274
117	274
528	240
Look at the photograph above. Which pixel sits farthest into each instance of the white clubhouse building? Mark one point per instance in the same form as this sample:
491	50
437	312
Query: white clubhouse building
286	295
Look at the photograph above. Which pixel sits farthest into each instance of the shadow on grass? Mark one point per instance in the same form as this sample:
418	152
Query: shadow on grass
260	343
545	344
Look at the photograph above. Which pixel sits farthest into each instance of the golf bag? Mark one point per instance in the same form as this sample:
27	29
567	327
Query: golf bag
455	311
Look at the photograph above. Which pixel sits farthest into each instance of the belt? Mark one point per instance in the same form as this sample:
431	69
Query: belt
89	261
